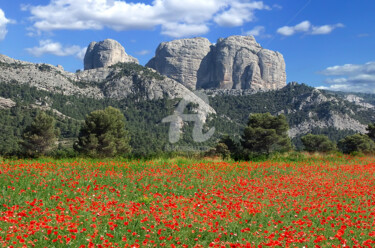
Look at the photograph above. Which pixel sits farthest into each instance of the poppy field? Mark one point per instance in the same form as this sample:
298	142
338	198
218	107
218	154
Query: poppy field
315	202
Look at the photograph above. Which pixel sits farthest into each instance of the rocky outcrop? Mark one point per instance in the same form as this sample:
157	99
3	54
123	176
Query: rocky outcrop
237	62
182	60
359	101
117	82
336	120
6	103
44	77
106	53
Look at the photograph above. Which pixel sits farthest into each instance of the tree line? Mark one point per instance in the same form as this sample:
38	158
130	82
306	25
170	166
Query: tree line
104	134
265	135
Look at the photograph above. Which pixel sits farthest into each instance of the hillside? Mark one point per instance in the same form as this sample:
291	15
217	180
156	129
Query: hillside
146	98
307	110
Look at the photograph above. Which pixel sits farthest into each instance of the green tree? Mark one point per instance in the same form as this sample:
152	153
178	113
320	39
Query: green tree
222	150
266	134
371	131
103	134
317	143
357	143
40	136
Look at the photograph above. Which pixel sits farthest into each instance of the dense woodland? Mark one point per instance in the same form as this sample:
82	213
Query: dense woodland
149	136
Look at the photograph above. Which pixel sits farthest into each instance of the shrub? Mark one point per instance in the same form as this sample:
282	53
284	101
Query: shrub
356	143
317	143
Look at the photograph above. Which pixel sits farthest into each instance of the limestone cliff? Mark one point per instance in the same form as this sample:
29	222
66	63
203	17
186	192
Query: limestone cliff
106	53
237	62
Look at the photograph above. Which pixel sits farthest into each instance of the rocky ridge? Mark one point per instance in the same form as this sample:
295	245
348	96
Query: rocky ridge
236	62
106	53
117	81
124	80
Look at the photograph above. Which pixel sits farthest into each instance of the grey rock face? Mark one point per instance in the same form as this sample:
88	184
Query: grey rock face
237	62
97	83
181	60
6	103
338	121
106	53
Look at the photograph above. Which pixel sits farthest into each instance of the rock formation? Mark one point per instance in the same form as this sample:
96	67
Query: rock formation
106	53
237	62
181	60
116	82
6	103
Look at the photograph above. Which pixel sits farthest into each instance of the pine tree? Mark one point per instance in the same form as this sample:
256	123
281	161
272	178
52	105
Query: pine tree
40	136
357	143
103	134
266	134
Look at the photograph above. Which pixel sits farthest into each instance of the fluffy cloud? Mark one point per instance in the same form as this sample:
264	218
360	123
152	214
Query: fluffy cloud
239	13
258	31
177	18
307	28
360	78
325	29
3	25
55	48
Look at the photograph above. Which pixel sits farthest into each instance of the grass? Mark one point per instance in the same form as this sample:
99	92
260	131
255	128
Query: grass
288	201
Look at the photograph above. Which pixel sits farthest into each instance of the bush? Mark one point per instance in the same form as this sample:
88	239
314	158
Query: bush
317	143
356	143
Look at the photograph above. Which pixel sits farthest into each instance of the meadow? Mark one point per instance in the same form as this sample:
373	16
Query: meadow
312	201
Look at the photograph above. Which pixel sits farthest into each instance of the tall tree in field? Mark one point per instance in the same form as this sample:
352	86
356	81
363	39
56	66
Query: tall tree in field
103	134
40	136
266	134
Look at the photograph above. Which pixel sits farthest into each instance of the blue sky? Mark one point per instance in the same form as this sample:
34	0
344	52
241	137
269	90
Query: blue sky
325	43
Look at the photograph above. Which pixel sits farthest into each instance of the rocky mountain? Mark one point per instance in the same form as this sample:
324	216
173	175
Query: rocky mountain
117	81
106	53
236	62
238	75
307	109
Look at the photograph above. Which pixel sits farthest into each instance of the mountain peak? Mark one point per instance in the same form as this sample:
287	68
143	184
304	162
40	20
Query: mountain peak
235	62
106	53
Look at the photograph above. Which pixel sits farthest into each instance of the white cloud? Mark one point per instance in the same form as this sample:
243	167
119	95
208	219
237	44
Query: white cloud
55	48
258	31
3	25
349	77
307	28
325	29
183	30
177	18
239	13
143	52
302	27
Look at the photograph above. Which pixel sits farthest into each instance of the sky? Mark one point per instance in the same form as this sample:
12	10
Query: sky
329	44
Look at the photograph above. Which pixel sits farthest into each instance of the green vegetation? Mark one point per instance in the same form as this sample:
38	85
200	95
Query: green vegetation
356	143
265	134
149	136
317	143
103	134
130	69
40	136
